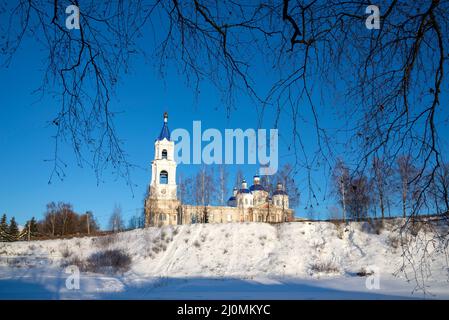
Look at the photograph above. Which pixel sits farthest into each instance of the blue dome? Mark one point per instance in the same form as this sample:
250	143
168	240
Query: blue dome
244	191
256	187
279	192
165	133
231	198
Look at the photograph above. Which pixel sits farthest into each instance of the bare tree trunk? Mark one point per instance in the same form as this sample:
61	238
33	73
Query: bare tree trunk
343	193
222	183
382	207
404	199
53	222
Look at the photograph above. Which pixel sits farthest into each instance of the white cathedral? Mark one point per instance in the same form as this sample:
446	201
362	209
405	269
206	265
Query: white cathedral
162	206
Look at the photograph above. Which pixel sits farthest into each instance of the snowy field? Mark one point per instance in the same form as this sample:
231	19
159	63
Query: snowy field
301	260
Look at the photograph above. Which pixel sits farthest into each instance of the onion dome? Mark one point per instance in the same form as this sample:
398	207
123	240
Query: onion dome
256	186
244	188
165	132
279	190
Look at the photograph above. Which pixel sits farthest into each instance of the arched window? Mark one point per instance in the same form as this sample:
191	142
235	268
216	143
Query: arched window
164	154
246	201
163	177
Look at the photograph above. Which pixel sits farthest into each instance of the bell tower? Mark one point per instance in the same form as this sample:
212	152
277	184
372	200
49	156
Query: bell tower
161	204
163	167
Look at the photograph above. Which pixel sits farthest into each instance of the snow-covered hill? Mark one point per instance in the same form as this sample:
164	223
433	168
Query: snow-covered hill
289	259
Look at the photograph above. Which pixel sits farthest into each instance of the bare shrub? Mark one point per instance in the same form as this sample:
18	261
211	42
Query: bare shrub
374	226
106	242
156	249
197	244
340	228
415	227
324	267
393	241
318	246
74	261
16	262
363	273
109	261
65	252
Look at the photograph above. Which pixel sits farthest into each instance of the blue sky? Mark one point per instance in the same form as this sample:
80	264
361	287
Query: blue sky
27	143
142	96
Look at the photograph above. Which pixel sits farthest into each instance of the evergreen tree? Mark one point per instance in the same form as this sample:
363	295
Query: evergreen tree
13	228
31	226
3	228
3	223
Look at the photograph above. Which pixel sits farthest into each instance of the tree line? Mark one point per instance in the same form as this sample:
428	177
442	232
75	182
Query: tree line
385	188
59	220
8	231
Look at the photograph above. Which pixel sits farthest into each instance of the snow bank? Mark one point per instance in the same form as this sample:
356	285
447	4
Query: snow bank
242	250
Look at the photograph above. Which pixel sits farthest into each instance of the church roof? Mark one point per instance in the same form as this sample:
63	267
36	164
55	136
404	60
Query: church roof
165	132
256	187
244	191
231	198
279	192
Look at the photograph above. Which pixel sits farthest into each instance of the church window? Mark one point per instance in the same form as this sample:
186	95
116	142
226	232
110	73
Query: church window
164	154
246	201
163	177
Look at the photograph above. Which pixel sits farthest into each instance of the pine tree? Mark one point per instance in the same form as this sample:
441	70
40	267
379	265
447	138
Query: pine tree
3	223
31	226
13	229
3	228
